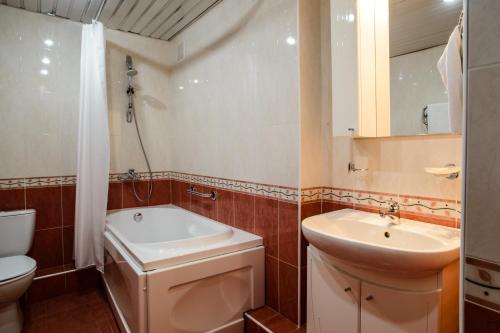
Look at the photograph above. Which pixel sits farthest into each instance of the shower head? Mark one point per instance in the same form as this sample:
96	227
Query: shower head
131	71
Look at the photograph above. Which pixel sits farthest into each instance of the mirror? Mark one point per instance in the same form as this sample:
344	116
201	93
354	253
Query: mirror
418	33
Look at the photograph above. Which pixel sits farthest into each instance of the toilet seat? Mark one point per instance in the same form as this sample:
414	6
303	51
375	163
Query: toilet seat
14	267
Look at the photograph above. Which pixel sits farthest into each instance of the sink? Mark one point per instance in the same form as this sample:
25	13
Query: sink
369	241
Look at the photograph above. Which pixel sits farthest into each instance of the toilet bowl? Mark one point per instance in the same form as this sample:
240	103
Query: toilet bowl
16	269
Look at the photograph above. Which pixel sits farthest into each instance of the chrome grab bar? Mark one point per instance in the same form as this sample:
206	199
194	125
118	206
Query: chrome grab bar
212	195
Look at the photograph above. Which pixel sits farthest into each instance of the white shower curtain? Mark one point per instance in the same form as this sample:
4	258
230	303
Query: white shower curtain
93	150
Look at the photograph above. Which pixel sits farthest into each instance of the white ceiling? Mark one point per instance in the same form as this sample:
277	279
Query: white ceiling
161	19
420	24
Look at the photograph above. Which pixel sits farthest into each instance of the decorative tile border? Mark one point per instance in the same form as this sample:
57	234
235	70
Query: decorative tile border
413	205
265	190
272	191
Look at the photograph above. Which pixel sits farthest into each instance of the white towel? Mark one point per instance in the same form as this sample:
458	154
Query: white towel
450	68
438	120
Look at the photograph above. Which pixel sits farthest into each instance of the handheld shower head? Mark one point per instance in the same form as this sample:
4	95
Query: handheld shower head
131	71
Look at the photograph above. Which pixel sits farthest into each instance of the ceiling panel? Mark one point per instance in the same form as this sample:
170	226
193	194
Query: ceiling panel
420	24
166	14
139	9
192	15
77	10
153	18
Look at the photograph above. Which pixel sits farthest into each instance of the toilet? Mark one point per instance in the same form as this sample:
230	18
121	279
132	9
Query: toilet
16	269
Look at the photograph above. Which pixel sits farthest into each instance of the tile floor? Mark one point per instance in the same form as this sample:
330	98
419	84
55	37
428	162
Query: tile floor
81	312
272	320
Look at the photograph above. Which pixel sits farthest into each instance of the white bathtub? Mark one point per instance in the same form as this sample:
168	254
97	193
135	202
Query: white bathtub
170	270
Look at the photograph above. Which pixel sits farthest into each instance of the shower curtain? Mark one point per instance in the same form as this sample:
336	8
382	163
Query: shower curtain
93	151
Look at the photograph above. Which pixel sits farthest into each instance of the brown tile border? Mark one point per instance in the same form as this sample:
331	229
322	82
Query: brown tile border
482	302
483	263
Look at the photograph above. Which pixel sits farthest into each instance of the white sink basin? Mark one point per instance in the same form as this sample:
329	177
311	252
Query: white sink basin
369	241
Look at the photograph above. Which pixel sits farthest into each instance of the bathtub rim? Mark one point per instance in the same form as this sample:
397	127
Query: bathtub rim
239	240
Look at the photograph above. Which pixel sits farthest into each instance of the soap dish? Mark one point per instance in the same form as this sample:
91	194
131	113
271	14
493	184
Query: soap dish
450	171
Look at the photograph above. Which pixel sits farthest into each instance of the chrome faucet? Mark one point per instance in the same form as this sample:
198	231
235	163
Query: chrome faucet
130	175
393	212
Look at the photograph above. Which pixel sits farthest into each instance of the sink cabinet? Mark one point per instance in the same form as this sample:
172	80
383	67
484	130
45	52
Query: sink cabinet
344	299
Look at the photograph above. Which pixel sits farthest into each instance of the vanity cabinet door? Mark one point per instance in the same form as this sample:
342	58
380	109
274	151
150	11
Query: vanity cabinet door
335	299
394	311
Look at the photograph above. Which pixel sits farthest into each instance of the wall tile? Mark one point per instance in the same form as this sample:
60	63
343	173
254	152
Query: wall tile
288	285
115	196
180	197
482	181
47	248
310	209
484	35
225	206
129	199
244	211
479	319
47	202
12	199
288	230
266	223
68	241
204	206
272	282
161	192
329	206
68	204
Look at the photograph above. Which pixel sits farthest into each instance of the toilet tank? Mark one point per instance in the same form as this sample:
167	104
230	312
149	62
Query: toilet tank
16	232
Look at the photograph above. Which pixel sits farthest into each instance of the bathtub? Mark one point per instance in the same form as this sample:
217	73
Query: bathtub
170	270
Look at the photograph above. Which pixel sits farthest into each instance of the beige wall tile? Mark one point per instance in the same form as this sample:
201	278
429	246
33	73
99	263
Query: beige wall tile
483	164
484	32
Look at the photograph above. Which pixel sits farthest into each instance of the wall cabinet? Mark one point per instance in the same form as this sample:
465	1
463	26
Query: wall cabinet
339	301
360	68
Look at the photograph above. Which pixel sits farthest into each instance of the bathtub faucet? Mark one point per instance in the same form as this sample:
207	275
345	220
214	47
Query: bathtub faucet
130	175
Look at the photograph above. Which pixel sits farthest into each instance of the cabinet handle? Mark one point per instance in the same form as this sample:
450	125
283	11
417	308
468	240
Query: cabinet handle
348	289
369	298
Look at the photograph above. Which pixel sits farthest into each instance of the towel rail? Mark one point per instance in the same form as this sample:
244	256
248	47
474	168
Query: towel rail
211	195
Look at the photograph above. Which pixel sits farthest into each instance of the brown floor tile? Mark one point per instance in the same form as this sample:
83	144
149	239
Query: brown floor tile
262	314
77	312
280	324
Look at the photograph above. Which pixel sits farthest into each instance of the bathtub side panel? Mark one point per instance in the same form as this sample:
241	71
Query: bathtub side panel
127	285
206	295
